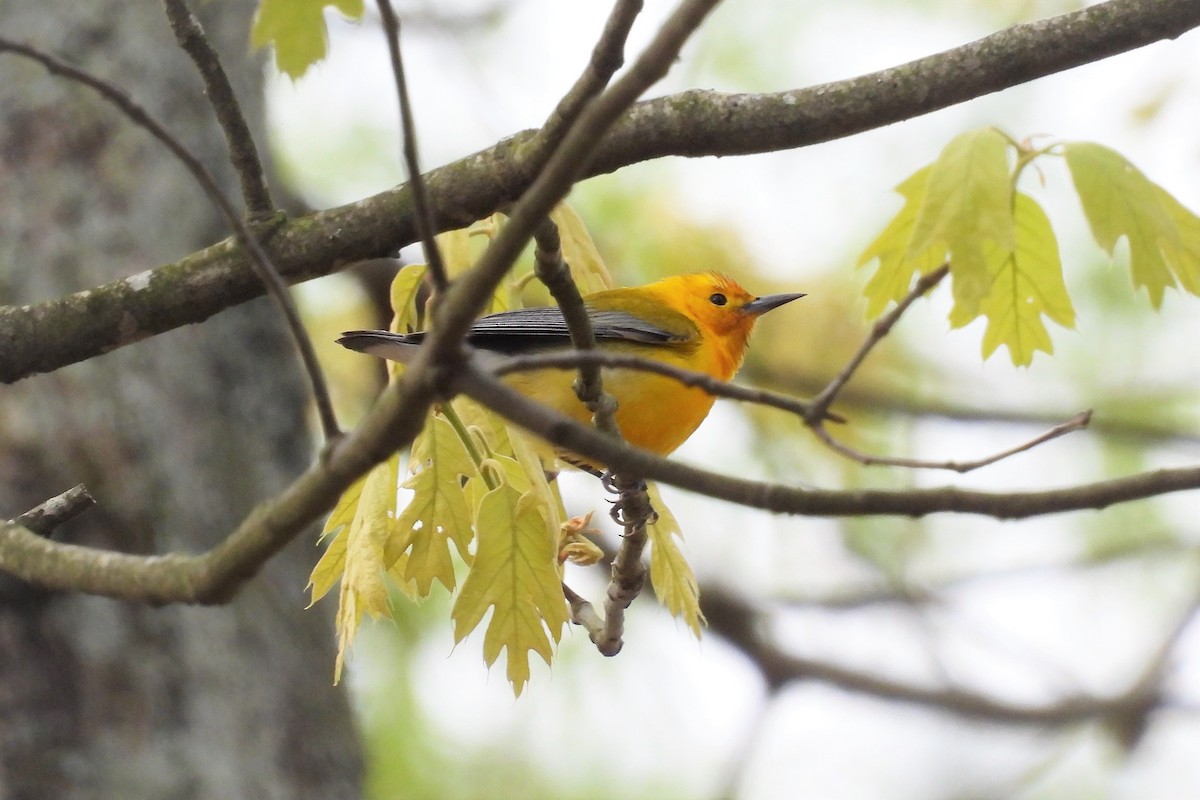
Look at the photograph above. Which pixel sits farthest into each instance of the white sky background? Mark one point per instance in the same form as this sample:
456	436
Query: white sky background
670	712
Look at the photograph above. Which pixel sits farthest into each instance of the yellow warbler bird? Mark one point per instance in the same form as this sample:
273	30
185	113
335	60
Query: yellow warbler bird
699	322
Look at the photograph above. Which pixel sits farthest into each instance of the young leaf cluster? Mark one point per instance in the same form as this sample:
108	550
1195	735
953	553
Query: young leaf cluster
482	518
966	210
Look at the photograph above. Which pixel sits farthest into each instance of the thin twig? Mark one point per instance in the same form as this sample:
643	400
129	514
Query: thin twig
690	378
44	518
422	208
257	255
243	154
814	418
879	330
1075	423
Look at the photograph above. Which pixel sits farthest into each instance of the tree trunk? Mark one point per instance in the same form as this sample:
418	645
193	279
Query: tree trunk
177	437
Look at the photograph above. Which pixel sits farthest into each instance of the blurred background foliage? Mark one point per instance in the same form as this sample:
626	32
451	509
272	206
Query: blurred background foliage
1019	612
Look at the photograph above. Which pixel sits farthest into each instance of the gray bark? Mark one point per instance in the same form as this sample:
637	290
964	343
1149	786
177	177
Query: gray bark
177	437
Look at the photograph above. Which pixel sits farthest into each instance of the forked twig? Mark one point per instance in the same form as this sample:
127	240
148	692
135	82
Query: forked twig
818	409
882	327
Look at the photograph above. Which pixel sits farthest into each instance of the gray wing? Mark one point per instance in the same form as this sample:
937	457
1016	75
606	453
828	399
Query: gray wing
516	331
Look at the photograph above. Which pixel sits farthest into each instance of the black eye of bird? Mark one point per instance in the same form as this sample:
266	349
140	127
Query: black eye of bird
718	299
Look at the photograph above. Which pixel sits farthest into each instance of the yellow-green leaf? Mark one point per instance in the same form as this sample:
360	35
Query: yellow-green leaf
487	428
297	30
893	277
670	574
455	249
347	505
968	202
1027	284
437	514
1119	201
515	574
528	455
330	565
579	251
1184	254
363	589
407	313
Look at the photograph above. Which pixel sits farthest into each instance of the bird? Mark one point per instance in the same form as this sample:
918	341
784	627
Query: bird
700	322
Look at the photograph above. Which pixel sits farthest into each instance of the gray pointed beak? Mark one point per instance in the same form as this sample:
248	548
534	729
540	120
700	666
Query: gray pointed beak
761	305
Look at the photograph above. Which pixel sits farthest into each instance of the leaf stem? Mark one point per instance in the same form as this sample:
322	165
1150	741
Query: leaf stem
464	436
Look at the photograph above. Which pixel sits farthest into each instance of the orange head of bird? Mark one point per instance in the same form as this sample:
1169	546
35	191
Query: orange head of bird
719	307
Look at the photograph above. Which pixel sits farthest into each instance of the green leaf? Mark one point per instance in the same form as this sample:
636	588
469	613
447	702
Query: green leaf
297	30
436	515
894	277
968	203
671	576
1027	284
1119	201
515	573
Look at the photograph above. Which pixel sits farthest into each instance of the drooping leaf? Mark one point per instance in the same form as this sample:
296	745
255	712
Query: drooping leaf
670	574
1119	201
296	29
515	574
436	515
363	589
1027	284
330	565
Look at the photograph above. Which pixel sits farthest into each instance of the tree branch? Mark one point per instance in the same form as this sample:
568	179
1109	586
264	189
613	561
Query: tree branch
739	623
473	381
216	575
694	123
